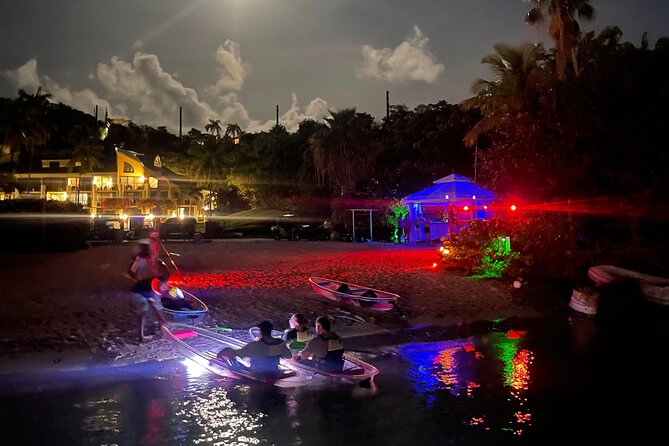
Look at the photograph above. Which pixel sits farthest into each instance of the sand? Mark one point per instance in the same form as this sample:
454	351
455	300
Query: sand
71	310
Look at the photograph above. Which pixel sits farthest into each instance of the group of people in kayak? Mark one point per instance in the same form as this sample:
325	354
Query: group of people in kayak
323	350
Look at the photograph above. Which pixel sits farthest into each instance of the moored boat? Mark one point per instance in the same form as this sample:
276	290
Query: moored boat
353	294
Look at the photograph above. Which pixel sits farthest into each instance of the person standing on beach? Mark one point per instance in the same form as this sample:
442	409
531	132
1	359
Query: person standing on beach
145	300
407	229
426	228
416	225
154	237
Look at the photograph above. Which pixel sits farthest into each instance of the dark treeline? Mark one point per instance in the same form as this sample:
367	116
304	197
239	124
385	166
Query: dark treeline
537	136
347	155
584	120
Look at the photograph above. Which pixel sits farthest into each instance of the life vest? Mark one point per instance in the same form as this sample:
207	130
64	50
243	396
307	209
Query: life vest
300	341
333	361
270	363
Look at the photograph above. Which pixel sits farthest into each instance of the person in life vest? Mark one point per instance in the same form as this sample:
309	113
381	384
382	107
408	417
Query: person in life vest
264	353
326	350
171	297
298	335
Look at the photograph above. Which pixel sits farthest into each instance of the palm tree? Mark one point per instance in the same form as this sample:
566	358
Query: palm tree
14	127
214	127
33	109
563	27
345	148
87	154
234	132
519	80
209	162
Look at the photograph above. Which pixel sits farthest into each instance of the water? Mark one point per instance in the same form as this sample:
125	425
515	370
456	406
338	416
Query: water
567	379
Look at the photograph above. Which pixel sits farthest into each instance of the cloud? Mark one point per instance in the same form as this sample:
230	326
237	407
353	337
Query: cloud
152	95
410	60
24	77
142	91
316	110
233	71
27	78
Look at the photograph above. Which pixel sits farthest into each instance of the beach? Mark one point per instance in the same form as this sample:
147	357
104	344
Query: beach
72	310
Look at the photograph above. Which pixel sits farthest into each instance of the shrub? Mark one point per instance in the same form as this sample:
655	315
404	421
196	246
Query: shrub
539	245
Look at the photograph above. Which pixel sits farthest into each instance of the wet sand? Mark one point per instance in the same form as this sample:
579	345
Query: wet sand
71	310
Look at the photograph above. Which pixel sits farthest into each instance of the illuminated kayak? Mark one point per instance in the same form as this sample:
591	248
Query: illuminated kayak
201	346
352	294
184	306
354	370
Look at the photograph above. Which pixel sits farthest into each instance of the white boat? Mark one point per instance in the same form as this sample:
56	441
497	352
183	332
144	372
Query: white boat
655	288
353	294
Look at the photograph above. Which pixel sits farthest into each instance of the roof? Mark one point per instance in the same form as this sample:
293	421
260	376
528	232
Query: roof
455	186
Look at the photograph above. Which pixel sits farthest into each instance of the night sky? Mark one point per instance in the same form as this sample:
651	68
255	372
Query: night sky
235	60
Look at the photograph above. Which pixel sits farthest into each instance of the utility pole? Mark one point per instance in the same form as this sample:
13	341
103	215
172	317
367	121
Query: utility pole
277	115
180	124
96	112
388	106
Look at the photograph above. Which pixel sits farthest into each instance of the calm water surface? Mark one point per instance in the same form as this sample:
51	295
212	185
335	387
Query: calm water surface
565	380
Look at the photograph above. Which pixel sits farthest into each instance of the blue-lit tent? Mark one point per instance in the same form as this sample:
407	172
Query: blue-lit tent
459	189
456	191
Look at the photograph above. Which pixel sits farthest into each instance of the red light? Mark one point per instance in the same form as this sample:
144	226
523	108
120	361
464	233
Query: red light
513	207
485	207
515	334
466	208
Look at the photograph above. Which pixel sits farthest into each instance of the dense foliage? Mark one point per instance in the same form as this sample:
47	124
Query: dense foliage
583	120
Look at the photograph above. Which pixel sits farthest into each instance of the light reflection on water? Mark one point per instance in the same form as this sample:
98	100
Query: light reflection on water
459	366
220	420
502	387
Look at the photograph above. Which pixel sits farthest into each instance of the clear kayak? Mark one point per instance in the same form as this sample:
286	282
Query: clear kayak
190	307
201	345
353	294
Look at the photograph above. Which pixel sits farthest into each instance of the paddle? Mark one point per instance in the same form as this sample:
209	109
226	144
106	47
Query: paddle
169	255
403	314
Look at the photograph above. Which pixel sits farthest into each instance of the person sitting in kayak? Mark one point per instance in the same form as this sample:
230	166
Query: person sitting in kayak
264	353
171	297
326	350
298	335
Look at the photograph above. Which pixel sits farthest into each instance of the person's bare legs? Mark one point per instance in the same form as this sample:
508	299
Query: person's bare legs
141	321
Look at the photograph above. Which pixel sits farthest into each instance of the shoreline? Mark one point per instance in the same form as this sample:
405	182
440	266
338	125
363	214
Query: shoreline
243	281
